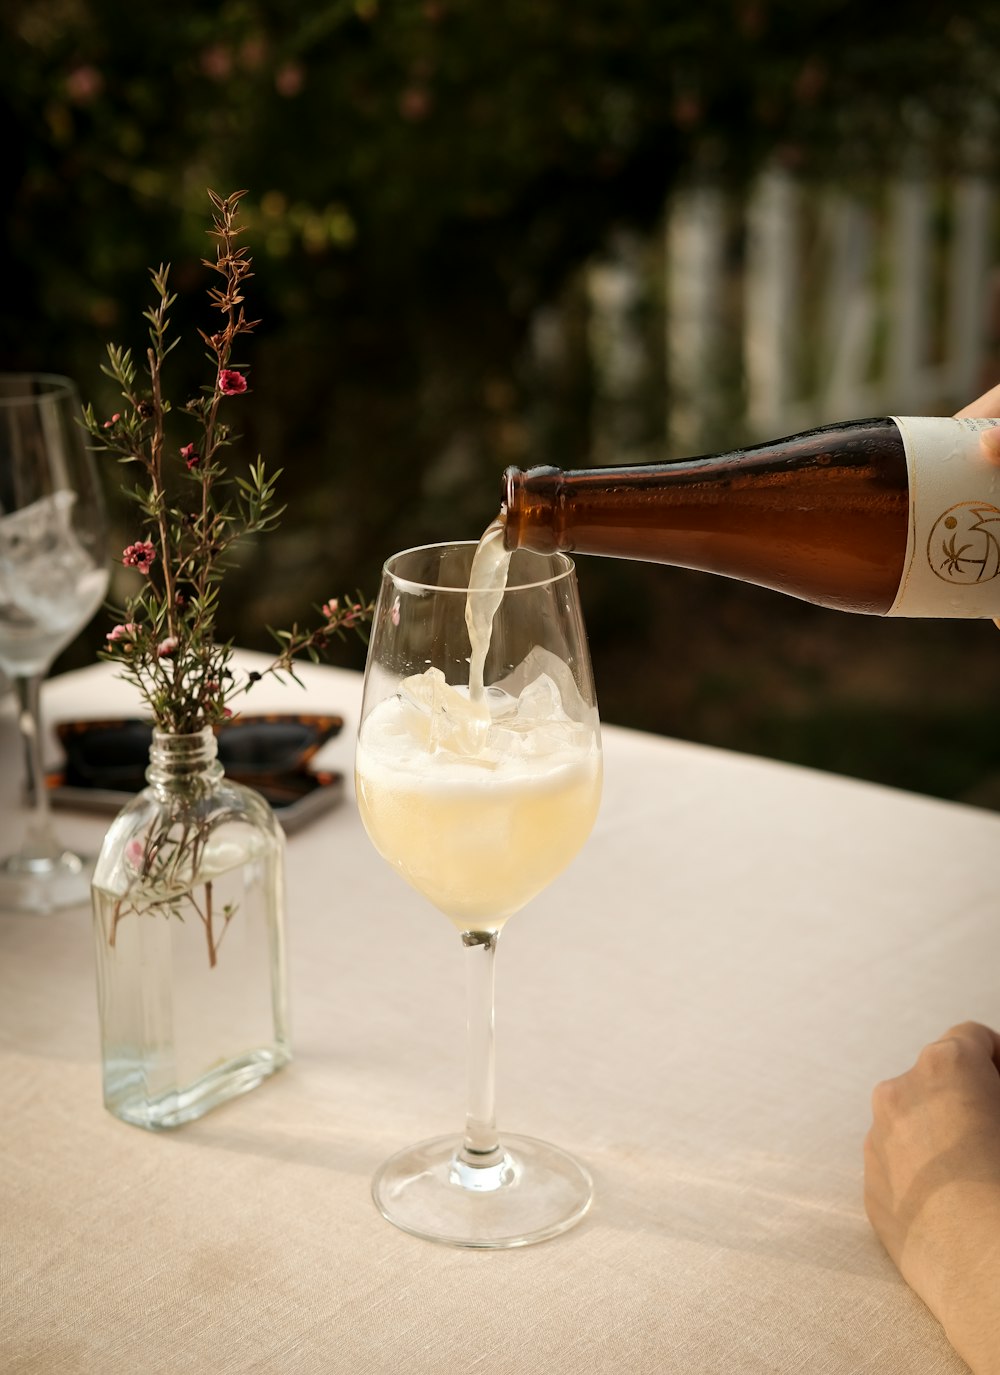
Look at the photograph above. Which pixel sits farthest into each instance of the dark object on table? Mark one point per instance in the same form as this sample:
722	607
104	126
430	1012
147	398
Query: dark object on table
105	762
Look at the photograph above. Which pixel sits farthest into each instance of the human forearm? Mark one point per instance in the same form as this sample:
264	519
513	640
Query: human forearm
932	1186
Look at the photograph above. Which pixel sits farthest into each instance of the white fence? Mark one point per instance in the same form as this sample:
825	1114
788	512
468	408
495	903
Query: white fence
786	308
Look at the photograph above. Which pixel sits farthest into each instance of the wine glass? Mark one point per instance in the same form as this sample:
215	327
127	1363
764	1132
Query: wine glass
53	576
479	794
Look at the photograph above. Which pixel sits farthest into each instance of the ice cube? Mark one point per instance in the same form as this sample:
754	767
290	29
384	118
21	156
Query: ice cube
540	701
542	663
42	561
439	716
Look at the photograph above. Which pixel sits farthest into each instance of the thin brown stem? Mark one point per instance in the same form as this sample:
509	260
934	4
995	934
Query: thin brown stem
159	495
207	918
227	916
115	919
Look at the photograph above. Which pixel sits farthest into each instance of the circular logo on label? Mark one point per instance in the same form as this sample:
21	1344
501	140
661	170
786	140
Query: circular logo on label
964	543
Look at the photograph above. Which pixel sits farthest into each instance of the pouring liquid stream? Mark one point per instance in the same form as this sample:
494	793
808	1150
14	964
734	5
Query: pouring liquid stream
487	583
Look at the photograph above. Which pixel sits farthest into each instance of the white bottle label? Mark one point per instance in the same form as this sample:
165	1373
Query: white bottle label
952	565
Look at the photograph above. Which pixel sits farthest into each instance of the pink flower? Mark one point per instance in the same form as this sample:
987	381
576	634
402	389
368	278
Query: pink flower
167	647
289	79
415	103
216	62
394	613
329	609
231	382
113	421
135	853
84	84
122	632
190	455
139	555
227	713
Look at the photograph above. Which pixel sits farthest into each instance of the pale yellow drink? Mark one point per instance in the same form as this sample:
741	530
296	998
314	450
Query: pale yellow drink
479	831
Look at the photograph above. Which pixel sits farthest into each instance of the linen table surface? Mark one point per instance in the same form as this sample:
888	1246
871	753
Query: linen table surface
698	1008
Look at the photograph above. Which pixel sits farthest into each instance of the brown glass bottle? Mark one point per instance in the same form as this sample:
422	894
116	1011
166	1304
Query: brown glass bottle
822	516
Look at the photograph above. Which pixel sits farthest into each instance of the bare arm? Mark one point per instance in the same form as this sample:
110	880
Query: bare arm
987	405
932	1185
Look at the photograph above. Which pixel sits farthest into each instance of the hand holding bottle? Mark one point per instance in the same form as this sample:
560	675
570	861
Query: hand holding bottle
986	405
932	1185
989	440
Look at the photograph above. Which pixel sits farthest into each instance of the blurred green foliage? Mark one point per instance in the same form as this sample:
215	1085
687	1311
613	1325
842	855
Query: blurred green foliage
422	177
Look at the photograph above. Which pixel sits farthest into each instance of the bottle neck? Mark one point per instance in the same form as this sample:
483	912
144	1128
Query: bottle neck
178	761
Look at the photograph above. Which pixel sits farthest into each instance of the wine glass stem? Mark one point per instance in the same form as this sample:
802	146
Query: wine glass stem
39	841
481	1140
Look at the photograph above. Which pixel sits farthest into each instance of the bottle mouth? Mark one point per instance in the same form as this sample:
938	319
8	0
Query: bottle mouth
508	487
530	498
180	756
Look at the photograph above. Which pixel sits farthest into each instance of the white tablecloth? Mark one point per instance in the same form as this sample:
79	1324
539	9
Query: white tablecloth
698	1008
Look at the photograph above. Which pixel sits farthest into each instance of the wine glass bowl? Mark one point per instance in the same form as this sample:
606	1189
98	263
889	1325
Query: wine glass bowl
479	793
53	577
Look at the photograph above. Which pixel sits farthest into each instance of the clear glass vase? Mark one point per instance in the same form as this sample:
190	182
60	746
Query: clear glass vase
188	899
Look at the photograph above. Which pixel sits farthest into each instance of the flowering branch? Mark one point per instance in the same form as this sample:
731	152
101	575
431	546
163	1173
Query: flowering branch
165	641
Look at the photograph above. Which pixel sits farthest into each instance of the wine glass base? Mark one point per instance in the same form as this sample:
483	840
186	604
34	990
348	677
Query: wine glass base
531	1192
43	883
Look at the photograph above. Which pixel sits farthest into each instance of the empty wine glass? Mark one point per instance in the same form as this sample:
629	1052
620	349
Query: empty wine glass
53	576
479	781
